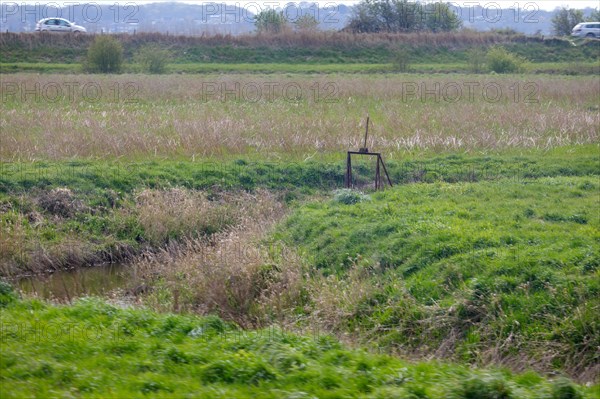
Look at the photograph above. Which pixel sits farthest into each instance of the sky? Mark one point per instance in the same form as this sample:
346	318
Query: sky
541	4
548	5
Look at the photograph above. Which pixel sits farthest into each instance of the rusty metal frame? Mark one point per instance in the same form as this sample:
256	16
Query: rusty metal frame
379	182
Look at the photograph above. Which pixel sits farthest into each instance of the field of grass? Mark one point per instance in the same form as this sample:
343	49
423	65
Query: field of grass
222	193
290	115
94	349
578	68
440	273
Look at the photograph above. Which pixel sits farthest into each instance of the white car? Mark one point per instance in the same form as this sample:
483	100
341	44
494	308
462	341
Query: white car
587	29
58	25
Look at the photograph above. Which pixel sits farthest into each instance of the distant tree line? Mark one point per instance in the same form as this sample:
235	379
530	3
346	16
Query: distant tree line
273	21
371	16
393	16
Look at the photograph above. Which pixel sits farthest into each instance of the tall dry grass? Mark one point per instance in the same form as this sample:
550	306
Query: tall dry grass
458	39
244	276
170	215
12	246
178	116
158	219
235	274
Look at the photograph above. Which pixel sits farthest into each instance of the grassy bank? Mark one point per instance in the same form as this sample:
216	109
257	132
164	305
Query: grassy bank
302	48
425	268
503	272
317	52
57	215
93	349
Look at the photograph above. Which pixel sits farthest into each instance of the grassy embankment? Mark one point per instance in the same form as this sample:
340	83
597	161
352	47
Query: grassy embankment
64	214
423	269
324	52
503	271
93	349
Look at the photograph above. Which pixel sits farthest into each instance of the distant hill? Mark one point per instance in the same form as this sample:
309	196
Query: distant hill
211	18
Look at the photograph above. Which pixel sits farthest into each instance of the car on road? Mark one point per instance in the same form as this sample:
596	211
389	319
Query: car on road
587	29
58	25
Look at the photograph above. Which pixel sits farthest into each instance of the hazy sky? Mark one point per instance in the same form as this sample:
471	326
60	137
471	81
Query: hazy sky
544	4
523	4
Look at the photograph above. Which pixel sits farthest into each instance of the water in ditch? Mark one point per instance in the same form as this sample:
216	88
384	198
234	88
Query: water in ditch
64	286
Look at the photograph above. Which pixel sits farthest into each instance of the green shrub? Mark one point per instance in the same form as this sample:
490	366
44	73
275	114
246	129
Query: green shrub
564	389
105	55
349	197
499	60
152	58
476	60
271	21
401	60
476	388
7	294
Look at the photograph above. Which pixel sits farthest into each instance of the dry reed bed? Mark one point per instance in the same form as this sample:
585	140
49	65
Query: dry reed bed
241	274
292	39
166	217
235	274
209	115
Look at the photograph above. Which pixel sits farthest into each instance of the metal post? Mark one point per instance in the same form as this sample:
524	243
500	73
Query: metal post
386	172
349	171
377	175
366	132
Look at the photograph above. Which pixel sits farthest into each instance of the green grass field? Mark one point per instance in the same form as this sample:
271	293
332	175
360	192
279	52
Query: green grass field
453	277
93	349
579	68
228	206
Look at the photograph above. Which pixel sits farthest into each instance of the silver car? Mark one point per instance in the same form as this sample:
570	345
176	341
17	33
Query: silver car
587	29
58	25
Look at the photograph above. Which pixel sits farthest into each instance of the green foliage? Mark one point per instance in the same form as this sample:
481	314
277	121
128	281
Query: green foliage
563	388
476	60
594	16
499	60
241	369
153	58
439	17
372	16
349	197
55	351
271	21
485	255
105	55
565	19
306	23
490	388
402	60
7	294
